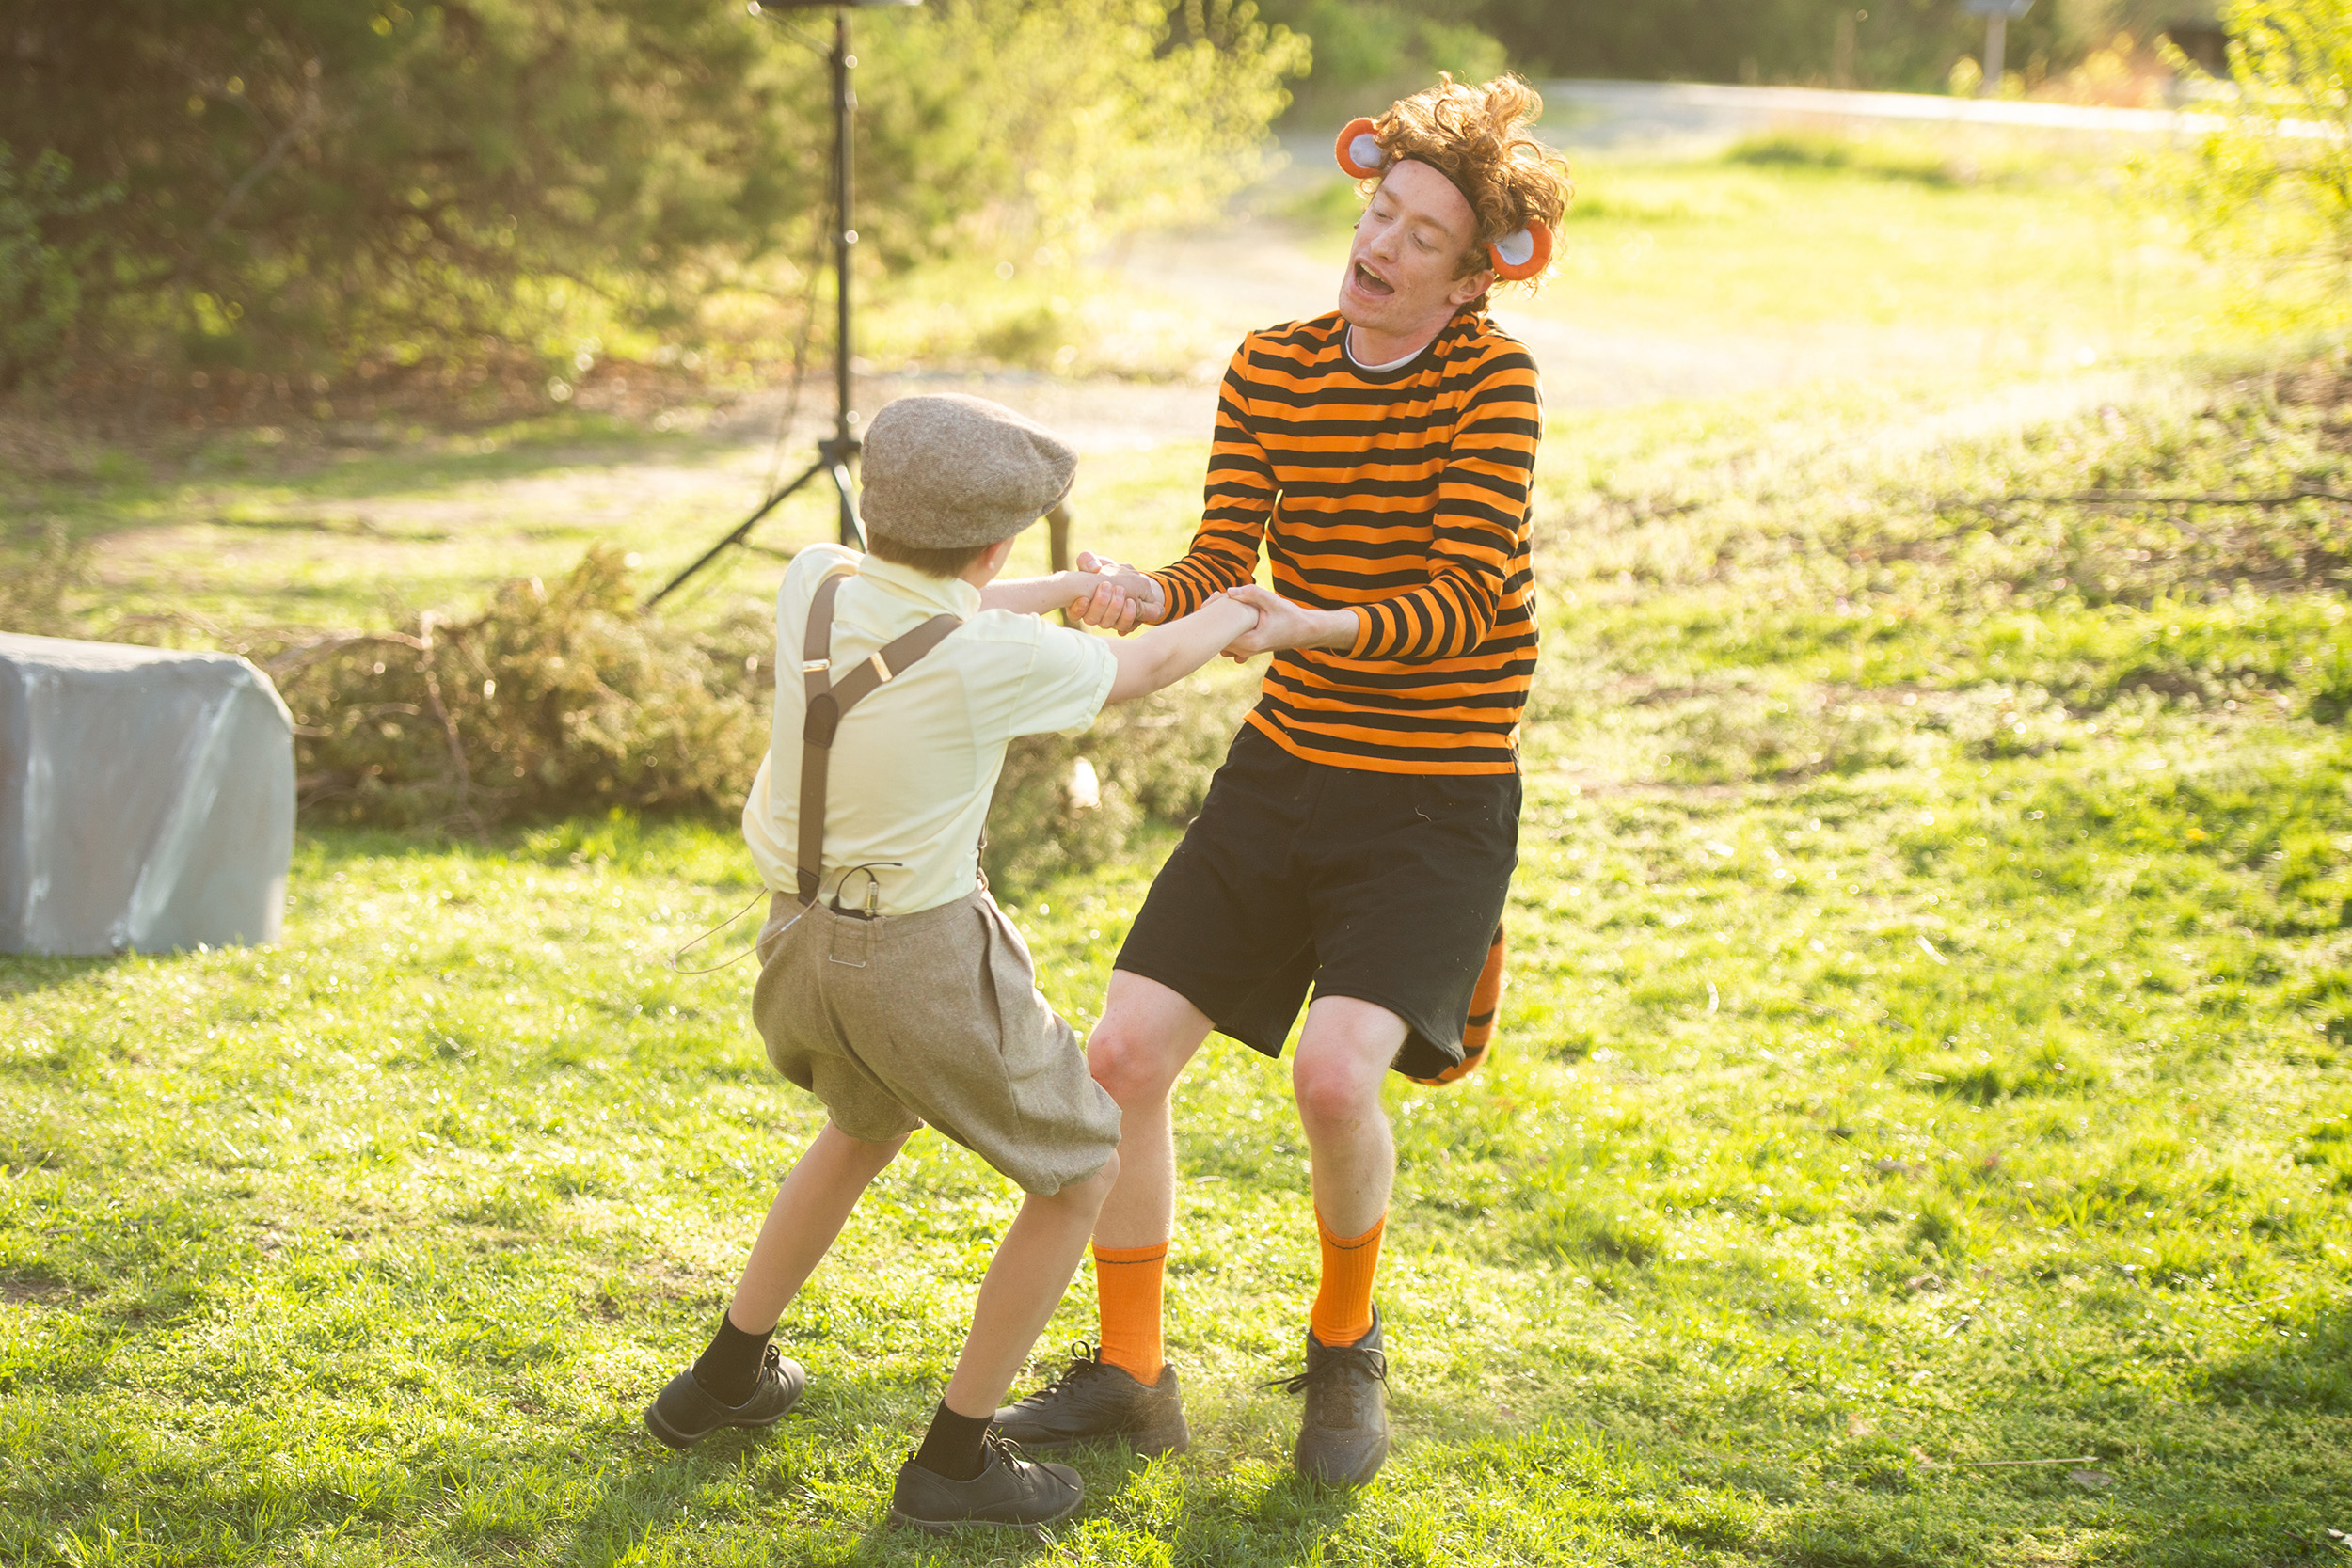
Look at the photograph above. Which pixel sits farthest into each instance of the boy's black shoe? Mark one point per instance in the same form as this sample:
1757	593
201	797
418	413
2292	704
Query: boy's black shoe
1343	1435
1093	1400
683	1415
1010	1489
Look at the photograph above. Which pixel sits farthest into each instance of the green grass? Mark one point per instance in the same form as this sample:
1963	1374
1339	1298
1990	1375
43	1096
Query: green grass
1903	1070
1926	1048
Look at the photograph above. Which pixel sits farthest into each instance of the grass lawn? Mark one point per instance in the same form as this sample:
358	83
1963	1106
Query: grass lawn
1925	1054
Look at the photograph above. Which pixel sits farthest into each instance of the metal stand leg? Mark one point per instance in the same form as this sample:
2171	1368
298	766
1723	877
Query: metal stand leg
1057	536
833	457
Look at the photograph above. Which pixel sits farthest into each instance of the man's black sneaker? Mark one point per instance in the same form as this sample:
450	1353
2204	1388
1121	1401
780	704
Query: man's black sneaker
1093	1400
1343	1435
683	1415
1010	1489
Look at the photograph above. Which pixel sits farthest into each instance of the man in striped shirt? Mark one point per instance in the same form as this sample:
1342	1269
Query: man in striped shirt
1359	838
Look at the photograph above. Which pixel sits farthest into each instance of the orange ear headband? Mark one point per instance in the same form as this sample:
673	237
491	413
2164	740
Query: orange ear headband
1516	257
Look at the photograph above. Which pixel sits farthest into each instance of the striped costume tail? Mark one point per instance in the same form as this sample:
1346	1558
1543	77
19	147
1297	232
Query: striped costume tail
1478	1030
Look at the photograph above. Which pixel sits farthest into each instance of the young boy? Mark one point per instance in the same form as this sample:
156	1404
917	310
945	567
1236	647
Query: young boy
891	985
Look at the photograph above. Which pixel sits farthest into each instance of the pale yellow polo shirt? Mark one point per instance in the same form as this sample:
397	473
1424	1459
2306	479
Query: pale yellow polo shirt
915	764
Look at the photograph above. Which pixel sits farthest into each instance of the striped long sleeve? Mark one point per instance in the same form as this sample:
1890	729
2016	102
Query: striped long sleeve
1237	500
1402	496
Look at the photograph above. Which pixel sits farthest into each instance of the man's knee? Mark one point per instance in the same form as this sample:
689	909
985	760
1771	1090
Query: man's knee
1146	1035
1128	1061
1334	1087
1343	1059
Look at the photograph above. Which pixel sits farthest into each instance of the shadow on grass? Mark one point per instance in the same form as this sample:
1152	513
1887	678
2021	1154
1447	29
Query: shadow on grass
1292	1516
95	509
24	974
2304	1364
639	1514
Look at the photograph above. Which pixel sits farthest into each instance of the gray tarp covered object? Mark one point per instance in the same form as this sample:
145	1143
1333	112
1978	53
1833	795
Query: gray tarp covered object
147	799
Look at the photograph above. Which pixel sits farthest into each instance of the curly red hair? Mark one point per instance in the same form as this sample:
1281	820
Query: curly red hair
1478	139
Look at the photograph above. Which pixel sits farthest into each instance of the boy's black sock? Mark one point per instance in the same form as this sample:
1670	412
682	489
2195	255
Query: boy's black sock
952	1446
729	1369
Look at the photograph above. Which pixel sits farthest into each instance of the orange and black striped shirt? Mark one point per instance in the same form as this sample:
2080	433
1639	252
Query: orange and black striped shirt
1401	494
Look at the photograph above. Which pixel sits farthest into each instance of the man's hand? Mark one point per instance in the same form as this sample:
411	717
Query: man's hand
1123	599
1284	625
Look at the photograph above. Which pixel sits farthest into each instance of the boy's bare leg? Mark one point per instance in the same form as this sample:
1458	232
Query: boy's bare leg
1025	1283
810	1208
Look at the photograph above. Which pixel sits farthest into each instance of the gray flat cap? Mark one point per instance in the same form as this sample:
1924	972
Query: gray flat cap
944	470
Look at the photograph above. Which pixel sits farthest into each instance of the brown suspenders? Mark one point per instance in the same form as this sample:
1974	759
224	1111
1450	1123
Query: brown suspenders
829	700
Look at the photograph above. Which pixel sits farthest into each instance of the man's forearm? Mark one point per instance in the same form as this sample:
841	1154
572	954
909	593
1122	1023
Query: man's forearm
1328	629
1287	623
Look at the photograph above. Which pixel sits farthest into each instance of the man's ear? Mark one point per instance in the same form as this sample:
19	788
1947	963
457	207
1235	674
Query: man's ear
1470	288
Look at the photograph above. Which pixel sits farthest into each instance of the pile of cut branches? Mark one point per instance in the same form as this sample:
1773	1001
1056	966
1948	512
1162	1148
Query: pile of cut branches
553	698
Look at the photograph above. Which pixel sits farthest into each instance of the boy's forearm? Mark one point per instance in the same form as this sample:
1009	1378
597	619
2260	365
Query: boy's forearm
1201	636
1168	653
1035	595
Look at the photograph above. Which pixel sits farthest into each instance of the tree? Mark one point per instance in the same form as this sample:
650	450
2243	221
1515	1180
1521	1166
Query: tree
314	183
2277	178
1881	43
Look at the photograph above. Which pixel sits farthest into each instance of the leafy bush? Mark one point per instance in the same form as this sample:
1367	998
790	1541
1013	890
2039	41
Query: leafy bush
1893	43
1365	50
1149	762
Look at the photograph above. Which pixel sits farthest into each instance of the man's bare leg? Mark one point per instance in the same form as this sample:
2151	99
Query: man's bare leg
1342	1060
1147	1036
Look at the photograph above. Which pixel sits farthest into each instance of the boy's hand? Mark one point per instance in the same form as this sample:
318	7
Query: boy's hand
1283	624
1122	598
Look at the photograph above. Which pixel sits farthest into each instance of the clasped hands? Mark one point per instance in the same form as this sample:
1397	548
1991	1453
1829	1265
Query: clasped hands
1124	598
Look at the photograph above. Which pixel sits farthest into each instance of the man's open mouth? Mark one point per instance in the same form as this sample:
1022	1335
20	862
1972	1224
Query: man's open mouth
1370	282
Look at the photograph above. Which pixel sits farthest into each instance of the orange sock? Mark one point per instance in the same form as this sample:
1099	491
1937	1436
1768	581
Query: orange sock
1127	1289
1343	1312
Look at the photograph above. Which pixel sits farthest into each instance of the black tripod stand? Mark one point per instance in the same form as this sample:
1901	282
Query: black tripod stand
833	455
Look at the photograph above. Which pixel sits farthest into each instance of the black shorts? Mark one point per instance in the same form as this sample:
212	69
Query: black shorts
1386	887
